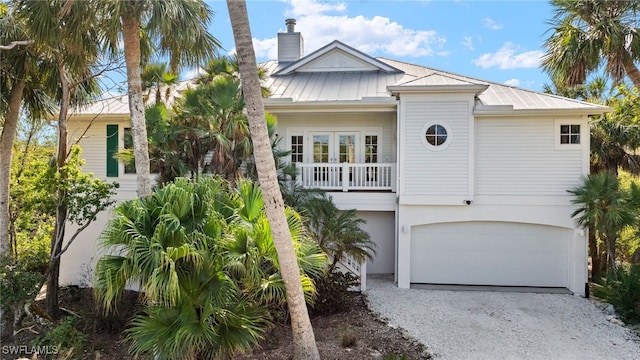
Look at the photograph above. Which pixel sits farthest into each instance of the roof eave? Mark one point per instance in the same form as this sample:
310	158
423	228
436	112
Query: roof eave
508	110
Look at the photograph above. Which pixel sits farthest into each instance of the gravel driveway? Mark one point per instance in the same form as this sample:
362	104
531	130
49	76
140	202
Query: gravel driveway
502	325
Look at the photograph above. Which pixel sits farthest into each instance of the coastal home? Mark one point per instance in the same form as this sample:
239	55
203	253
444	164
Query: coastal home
460	180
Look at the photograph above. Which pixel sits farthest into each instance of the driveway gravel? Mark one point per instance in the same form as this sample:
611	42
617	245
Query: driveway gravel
502	325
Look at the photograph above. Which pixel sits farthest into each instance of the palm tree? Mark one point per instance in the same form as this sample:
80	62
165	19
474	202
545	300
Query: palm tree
69	43
337	232
591	33
171	245
157	77
608	209
252	256
304	344
177	28
24	78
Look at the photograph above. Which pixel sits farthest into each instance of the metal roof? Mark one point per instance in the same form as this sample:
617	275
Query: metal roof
323	86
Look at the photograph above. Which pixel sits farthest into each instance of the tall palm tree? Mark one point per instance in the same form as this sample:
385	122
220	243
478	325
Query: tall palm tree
304	344
156	78
69	42
176	28
24	77
590	33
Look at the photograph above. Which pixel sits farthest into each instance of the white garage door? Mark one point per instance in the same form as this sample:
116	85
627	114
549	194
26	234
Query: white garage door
490	253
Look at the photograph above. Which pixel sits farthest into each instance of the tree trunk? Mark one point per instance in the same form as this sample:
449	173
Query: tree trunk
304	343
631	70
131	39
61	207
6	147
596	263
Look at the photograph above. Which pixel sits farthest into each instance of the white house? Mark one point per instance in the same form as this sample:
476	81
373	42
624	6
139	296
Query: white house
461	180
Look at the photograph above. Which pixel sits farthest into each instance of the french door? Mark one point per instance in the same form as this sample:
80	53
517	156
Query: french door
333	149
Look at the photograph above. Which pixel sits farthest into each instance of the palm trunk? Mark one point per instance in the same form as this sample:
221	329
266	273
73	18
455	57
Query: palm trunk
595	253
6	146
304	344
631	70
131	39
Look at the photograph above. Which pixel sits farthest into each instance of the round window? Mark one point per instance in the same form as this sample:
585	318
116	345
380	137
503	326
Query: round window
436	135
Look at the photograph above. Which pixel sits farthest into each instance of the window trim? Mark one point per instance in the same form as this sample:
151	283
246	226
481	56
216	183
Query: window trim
442	146
557	123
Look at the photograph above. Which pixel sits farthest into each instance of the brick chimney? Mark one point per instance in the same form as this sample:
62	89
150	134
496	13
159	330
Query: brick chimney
290	44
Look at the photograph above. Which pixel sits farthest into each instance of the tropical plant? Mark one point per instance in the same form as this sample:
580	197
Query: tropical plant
203	253
304	344
589	34
608	209
338	233
158	79
175	28
623	292
25	79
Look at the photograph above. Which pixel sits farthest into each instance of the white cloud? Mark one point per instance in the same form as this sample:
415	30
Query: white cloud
508	58
467	42
512	82
375	36
491	24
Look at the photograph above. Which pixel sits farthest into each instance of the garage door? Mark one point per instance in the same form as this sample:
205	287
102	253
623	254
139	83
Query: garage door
490	253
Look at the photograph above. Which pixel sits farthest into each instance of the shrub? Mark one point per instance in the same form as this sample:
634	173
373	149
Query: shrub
623	293
333	292
64	338
18	284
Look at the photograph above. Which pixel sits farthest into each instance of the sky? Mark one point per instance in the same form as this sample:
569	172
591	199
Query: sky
499	41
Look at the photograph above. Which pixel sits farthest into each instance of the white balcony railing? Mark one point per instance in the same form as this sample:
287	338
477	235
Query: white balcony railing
347	176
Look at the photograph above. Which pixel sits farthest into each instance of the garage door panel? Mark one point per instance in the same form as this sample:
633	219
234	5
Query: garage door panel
490	253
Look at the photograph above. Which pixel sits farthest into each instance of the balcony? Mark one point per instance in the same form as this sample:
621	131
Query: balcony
347	176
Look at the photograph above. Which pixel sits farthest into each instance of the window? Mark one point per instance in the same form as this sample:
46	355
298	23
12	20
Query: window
297	143
569	134
371	149
436	136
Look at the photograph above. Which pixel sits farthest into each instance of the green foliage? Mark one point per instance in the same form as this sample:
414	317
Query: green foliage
623	293
333	292
65	338
602	204
31	210
18	283
338	233
203	253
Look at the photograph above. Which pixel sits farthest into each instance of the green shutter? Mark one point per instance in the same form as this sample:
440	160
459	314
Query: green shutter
112	150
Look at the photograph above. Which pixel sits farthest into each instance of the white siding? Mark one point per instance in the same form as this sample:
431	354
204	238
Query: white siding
428	172
517	157
93	142
343	122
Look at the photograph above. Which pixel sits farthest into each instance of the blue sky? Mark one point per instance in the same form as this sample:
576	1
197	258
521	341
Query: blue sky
499	41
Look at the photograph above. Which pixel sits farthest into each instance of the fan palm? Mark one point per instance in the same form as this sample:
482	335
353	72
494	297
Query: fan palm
169	244
590	33
604	206
338	233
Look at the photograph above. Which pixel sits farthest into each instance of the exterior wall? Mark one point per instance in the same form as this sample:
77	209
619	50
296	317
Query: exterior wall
92	137
78	263
296	123
435	176
381	227
520	156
